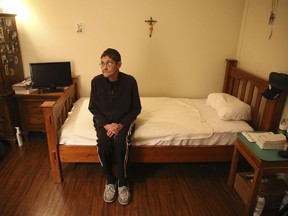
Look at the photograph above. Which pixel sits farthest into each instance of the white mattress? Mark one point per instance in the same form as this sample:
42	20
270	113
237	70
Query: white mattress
163	121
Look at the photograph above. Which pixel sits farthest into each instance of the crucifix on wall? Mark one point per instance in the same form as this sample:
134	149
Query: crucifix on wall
151	23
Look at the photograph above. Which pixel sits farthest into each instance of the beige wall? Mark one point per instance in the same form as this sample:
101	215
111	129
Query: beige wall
185	57
255	51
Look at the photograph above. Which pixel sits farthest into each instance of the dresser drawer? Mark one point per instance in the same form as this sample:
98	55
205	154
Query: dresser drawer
2	107
32	107
7	113
33	115
3	126
35	120
3	117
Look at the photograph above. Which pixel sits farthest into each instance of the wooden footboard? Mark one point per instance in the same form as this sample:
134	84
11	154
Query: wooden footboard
55	114
266	115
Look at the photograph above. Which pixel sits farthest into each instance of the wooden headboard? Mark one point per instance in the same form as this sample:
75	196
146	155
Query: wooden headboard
266	114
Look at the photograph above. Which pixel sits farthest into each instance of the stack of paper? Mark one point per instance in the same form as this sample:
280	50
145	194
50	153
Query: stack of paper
271	141
22	87
253	136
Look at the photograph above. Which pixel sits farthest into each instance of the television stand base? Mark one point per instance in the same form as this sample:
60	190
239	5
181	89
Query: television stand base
50	90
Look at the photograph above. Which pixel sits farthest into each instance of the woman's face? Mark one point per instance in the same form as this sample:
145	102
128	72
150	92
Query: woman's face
110	68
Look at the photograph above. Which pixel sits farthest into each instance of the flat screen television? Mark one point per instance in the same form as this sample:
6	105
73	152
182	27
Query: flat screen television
50	76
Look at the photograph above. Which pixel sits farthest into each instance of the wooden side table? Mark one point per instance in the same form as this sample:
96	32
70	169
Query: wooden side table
31	114
264	162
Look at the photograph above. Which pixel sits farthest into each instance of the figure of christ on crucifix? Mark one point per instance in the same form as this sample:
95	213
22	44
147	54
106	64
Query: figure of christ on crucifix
151	22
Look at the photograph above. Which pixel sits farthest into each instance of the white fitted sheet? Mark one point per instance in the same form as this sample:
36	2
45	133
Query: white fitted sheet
163	121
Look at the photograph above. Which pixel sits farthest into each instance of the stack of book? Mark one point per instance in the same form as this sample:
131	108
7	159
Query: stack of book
271	141
24	87
266	140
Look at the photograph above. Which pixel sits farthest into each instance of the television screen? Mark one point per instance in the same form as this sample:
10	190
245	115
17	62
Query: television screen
50	75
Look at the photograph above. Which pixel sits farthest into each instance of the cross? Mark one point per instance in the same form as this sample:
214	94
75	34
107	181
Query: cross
151	22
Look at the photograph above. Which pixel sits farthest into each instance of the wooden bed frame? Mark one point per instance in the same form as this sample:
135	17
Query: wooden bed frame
266	116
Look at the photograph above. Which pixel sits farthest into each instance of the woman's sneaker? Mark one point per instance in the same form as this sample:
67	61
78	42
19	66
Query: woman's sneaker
124	195
110	193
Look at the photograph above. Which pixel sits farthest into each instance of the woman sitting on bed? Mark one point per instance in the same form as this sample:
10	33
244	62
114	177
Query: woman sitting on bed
115	104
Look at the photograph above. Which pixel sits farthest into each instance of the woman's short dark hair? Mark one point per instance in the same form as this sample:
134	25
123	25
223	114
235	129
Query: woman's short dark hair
113	54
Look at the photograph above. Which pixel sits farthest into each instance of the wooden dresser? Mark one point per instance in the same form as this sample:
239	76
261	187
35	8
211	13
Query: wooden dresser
11	71
31	115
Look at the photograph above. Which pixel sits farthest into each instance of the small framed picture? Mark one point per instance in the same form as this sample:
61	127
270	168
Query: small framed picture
1	34
8	22
16	60
6	68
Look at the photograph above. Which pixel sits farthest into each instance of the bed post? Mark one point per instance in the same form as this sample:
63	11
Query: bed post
75	83
230	63
272	113
52	139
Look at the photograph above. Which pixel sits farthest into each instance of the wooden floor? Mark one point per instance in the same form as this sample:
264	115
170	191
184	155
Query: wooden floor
26	187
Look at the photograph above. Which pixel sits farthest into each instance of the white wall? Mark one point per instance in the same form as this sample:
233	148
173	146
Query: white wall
255	51
185	57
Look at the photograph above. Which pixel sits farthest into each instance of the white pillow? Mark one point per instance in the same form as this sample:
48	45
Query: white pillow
229	107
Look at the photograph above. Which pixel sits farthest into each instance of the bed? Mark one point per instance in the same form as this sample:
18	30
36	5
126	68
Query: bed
152	143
